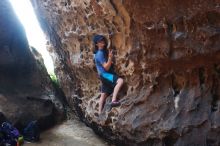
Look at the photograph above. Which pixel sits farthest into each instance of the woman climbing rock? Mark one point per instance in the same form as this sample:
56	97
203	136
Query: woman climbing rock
111	83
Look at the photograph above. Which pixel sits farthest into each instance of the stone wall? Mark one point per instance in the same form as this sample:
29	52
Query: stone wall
166	50
26	91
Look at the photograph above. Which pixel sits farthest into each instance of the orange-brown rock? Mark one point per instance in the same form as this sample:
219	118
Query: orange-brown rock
168	52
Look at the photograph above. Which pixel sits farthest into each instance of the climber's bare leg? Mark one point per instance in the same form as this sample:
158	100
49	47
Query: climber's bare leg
117	88
102	101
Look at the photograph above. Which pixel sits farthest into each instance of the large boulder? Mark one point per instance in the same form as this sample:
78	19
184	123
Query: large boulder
26	90
168	53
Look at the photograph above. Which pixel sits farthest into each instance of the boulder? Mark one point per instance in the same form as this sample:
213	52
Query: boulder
26	90
168	53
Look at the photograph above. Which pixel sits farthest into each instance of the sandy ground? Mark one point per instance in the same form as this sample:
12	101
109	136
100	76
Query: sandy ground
69	133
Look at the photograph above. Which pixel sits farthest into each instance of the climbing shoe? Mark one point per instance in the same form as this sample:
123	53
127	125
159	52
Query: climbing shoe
115	103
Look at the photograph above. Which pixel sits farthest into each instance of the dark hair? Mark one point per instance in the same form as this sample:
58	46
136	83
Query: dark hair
95	48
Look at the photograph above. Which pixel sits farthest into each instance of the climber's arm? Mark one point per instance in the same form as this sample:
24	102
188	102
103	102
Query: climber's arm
107	65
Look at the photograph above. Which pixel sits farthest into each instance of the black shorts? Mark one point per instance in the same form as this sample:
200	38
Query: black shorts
109	81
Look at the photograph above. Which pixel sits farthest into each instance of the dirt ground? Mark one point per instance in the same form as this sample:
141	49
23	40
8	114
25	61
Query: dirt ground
69	133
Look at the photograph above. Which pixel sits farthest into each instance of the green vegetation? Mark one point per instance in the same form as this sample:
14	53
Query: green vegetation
54	79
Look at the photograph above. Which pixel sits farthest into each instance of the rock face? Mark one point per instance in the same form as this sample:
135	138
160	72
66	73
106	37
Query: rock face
168	53
26	91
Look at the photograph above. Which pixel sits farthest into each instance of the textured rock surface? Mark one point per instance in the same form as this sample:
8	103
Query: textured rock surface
168	53
26	91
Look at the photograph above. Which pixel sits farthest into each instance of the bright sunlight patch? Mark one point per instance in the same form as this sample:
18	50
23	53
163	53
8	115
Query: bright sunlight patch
35	35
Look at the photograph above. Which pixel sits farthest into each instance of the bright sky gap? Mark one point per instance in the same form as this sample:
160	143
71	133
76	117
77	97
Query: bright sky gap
35	35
